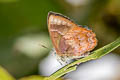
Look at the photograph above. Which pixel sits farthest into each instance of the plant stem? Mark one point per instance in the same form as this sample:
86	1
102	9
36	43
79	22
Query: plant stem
61	73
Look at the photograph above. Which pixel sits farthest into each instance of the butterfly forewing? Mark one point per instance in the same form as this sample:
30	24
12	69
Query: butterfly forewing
58	26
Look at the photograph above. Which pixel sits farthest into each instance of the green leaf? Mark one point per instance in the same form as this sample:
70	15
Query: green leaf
4	75
6	1
36	77
94	55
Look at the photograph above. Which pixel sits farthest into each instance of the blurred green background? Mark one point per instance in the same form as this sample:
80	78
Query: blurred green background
23	28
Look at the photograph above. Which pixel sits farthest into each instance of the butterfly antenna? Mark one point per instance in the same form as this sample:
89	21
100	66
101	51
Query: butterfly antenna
44	46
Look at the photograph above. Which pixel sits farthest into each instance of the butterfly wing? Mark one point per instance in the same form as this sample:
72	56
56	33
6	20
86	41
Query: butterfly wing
58	25
69	39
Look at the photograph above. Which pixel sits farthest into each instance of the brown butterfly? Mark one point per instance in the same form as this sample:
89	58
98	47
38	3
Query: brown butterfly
69	39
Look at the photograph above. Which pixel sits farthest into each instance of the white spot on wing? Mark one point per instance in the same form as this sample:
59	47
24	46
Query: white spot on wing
68	24
53	30
63	22
51	19
55	21
59	22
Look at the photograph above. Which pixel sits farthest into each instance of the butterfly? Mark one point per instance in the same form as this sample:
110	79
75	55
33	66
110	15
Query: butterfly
70	40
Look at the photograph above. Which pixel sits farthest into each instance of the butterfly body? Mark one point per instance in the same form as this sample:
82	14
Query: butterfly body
69	39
